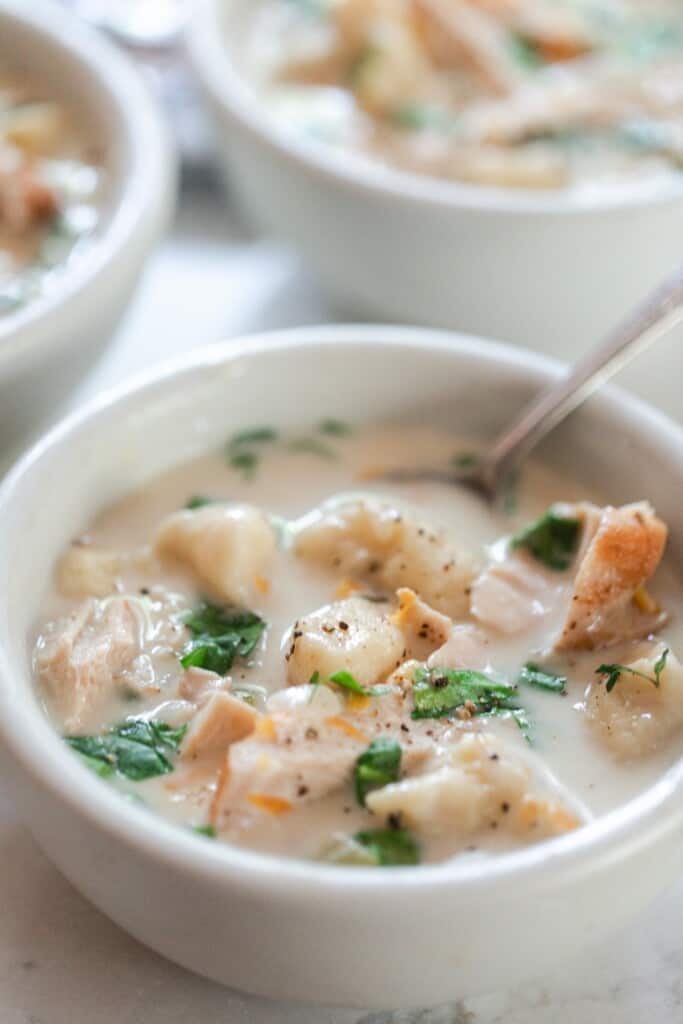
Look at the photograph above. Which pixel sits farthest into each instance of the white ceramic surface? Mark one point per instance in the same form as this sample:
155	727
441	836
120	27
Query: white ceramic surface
544	270
50	341
288	929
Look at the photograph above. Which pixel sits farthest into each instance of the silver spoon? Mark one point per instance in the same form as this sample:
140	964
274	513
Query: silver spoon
490	469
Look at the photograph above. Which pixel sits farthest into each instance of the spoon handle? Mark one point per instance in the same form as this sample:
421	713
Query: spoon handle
653	317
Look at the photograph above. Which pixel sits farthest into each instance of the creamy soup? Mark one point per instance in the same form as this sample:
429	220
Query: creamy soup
510	93
278	650
49	184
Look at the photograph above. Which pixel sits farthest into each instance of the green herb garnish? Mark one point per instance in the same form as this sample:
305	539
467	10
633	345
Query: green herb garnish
440	691
137	749
205	830
553	539
390	847
614	672
312	446
532	675
219	636
464	460
377	766
349	682
245	462
199	501
335	428
257	435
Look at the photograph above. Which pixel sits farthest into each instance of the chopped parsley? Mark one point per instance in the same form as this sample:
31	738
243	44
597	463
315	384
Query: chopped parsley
390	847
553	539
532	675
377	766
439	692
525	51
137	749
240	452
614	672
206	830
219	636
312	446
257	435
347	681
335	428
198	501
464	460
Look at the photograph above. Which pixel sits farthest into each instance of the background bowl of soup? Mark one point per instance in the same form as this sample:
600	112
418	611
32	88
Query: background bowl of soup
363	936
86	189
395	228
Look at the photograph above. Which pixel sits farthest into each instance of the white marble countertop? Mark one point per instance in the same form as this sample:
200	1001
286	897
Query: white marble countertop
61	961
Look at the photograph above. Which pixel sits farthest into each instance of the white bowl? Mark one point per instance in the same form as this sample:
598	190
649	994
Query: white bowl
282	928
51	340
551	270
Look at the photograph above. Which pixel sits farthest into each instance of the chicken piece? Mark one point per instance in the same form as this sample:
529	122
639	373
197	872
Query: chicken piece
354	636
622	549
371	539
291	758
89	571
223	720
460	34
512	592
478	785
198	685
80	659
466	647
307	747
424	630
592	603
230	548
636	717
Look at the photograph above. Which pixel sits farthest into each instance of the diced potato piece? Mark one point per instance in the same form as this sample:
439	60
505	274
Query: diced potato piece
389	548
480	785
230	548
223	720
35	128
352	635
636	717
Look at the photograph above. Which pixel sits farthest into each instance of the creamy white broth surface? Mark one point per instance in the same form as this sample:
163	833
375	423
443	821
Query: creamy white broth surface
531	94
51	186
568	763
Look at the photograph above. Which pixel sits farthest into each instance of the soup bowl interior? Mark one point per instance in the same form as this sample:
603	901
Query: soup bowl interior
63	329
290	929
545	268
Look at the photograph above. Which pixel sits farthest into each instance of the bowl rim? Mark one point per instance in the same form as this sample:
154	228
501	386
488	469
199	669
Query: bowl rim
228	88
143	189
33	742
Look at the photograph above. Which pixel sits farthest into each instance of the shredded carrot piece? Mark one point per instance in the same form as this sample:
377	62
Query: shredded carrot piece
262	584
265	729
357	702
340	723
346	588
370	473
271	804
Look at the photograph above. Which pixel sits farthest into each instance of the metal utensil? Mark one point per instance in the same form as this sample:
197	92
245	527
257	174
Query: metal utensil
486	474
